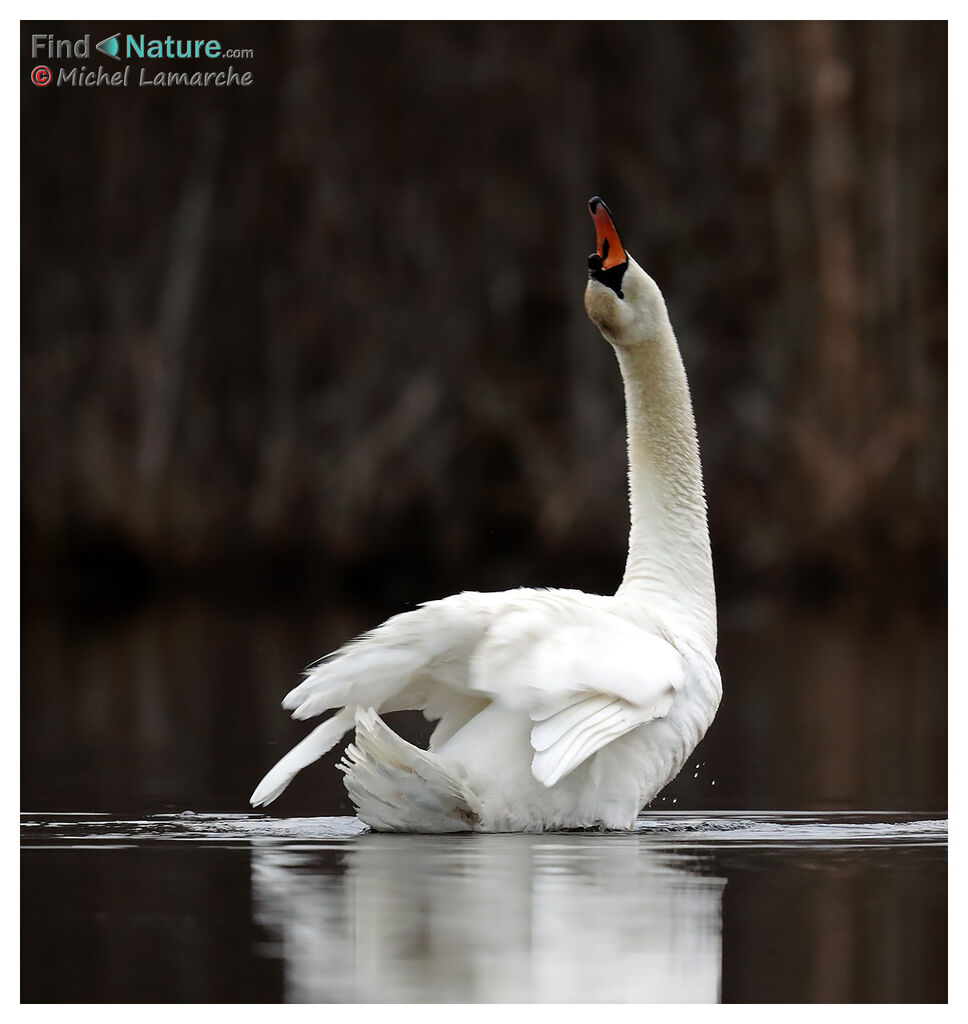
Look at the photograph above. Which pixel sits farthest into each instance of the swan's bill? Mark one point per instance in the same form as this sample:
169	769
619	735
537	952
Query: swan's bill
608	263
610	247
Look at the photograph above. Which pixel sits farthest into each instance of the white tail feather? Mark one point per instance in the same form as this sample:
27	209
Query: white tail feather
397	787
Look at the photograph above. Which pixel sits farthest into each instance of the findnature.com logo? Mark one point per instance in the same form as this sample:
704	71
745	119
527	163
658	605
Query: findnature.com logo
124	47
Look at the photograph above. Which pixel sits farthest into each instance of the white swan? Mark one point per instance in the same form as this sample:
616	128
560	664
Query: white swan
554	708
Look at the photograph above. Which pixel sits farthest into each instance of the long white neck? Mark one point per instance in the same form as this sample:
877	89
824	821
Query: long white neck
669	565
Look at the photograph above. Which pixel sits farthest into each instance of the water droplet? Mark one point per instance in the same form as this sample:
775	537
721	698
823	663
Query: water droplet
696	776
714	782
674	799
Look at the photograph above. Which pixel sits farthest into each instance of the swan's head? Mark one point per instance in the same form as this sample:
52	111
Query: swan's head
620	298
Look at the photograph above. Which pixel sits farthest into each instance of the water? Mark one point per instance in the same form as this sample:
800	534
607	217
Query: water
172	705
688	908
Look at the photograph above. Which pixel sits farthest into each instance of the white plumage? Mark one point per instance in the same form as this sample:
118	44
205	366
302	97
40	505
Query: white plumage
554	708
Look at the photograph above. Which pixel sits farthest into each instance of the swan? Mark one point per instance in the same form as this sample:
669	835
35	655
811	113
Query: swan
555	709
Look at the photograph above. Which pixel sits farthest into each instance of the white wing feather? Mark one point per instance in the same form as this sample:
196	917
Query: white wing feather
583	685
322	739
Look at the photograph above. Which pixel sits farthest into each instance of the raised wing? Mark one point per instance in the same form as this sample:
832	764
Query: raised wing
583	685
416	660
376	669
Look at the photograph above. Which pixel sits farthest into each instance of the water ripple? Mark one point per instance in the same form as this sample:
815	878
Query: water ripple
684	828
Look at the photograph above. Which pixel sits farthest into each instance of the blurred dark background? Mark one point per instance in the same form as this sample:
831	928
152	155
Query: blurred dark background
301	355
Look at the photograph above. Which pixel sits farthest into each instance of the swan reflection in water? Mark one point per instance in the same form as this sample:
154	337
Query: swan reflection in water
491	918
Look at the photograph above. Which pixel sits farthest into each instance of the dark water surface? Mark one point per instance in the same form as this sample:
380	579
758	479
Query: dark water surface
130	719
698	908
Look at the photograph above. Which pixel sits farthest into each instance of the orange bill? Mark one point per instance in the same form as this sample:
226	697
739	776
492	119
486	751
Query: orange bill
609	244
